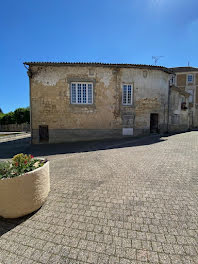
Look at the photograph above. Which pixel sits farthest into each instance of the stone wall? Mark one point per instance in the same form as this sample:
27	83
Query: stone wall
15	127
179	119
50	102
181	80
185	86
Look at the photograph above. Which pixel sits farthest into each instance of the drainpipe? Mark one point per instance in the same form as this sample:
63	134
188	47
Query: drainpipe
164	121
29	73
168	110
30	94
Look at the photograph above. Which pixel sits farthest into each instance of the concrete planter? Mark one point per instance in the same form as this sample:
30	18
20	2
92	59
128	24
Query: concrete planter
24	194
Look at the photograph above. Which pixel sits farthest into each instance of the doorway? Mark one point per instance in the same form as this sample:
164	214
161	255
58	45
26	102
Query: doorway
154	123
43	134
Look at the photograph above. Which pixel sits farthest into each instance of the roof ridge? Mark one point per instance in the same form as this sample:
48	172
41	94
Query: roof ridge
184	69
165	69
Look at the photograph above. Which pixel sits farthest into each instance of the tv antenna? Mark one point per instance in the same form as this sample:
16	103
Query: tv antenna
156	58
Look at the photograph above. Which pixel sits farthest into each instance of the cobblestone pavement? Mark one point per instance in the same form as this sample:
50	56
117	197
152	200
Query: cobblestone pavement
8	136
13	143
133	204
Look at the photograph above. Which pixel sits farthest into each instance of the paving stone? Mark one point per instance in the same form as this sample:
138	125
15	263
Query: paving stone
125	261
131	253
44	258
136	203
153	257
103	259
91	245
164	258
176	259
55	259
142	255
92	257
83	255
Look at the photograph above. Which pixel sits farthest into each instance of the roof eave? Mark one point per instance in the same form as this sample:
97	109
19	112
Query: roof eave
140	66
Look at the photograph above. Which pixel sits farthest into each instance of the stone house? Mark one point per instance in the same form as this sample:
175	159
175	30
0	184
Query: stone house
186	80
87	101
179	114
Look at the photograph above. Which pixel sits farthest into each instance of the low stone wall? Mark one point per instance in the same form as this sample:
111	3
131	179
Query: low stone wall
15	127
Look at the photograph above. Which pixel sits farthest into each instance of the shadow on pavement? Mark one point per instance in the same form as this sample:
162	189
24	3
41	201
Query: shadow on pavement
8	150
8	224
78	147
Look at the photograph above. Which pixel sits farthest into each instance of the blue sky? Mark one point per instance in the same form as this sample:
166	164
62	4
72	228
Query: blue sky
116	31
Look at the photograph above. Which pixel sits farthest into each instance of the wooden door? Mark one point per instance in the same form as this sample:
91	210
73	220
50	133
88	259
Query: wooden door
154	123
43	134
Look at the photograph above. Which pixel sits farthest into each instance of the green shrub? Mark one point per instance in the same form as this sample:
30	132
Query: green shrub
19	116
20	164
7	118
4	169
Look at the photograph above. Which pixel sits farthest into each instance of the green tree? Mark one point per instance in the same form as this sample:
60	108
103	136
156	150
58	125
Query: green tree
19	116
8	118
22	115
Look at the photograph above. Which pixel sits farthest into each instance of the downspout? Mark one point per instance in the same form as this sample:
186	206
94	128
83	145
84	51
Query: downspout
168	110
29	73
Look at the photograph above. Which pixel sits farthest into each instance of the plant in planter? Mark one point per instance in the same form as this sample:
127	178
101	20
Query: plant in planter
24	185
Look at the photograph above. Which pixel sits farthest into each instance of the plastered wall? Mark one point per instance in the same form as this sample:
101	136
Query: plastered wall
50	100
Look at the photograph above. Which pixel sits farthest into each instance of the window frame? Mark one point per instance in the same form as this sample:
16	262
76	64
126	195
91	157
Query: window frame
76	95
192	78
127	104
191	94
183	99
173	80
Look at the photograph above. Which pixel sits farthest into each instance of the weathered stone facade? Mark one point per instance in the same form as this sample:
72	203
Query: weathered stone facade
179	114
107	117
191	87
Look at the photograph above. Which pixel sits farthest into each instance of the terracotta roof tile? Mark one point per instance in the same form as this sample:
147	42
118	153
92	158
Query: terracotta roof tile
184	69
121	65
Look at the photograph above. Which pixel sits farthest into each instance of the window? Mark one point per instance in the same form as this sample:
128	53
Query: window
183	103
127	94
183	99
172	80
191	97
190	78
81	93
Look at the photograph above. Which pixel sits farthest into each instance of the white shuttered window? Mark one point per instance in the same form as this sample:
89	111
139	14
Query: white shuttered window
127	94
190	78
81	93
